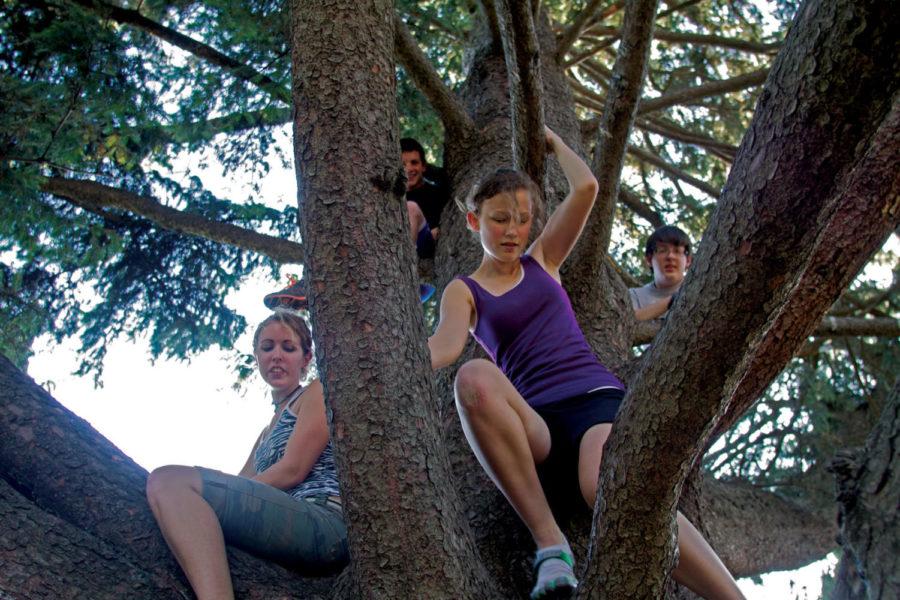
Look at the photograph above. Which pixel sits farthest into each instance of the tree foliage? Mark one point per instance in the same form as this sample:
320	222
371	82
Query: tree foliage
120	92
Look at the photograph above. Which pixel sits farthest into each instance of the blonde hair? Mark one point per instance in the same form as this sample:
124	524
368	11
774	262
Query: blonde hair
292	321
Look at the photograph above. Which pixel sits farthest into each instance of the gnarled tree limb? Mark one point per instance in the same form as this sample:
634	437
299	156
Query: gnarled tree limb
523	66
236	68
578	24
420	70
763	288
694	94
658	162
609	156
829	327
98	197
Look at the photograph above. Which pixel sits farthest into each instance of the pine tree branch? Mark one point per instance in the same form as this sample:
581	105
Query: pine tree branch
660	163
617	119
719	149
634	202
236	68
693	94
490	16
97	198
829	327
679	7
696	39
573	31
523	67
445	103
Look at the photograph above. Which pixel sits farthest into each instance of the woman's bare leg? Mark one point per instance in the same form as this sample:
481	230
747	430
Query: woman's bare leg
699	568
508	438
191	529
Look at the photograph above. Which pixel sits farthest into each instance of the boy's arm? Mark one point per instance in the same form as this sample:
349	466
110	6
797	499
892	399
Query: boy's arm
654	310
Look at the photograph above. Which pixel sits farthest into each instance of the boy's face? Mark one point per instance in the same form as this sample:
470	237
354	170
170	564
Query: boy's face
414	167
669	262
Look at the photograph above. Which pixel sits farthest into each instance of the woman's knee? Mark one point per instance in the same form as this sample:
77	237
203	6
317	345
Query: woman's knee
475	385
171	480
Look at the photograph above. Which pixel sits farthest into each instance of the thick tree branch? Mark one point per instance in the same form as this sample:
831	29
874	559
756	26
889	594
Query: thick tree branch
868	485
696	39
493	21
658	162
93	487
634	202
784	535
236	68
98	197
869	194
829	327
523	66
694	94
791	229
609	155
719	149
445	103
573	31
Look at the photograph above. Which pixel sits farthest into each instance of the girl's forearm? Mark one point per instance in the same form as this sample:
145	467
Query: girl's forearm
576	171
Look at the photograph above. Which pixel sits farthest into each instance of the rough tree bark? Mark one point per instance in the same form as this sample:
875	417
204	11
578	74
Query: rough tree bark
756	248
421	510
868	493
407	532
62	479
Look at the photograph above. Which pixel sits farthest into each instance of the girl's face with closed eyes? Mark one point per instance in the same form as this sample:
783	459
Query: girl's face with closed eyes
503	222
280	357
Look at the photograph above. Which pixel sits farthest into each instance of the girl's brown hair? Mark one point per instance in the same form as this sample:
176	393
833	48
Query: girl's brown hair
292	321
503	181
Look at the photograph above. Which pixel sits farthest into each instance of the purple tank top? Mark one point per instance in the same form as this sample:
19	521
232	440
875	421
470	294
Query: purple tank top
532	335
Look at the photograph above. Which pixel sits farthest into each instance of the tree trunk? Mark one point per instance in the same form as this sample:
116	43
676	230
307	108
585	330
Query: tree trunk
424	519
408	536
868	493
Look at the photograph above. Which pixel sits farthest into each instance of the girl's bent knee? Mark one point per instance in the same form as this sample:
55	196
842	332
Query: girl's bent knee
476	386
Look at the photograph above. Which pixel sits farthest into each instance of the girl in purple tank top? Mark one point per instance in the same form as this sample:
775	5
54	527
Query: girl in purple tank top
537	417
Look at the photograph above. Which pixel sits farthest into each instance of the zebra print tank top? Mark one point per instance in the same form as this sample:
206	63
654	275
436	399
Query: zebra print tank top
322	478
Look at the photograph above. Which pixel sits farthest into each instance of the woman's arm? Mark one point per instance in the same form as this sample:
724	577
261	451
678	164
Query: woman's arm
449	340
248	469
565	224
306	443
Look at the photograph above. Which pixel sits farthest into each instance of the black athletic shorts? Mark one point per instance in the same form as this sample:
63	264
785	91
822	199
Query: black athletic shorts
568	420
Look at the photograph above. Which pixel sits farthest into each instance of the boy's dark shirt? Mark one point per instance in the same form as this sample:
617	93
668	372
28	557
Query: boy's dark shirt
431	196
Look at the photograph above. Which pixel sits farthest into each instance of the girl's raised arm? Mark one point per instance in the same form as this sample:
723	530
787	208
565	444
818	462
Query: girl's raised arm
449	340
565	224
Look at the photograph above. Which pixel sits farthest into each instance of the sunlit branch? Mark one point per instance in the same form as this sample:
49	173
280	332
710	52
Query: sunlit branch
719	149
236	68
829	327
658	162
428	81
568	37
696	39
97	198
638	207
694	94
